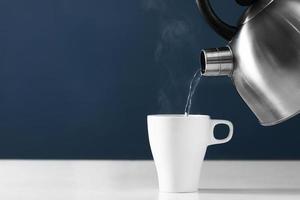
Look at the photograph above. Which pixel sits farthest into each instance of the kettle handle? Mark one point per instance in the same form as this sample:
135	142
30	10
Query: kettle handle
225	30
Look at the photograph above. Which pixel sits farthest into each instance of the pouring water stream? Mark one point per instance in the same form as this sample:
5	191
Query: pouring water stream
193	85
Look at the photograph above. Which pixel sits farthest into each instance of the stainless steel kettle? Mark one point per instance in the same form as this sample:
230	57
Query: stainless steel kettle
262	56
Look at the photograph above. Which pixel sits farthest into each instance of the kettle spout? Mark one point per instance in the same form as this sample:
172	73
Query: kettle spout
216	62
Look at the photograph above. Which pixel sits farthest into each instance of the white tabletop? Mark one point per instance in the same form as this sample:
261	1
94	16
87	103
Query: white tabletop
136	180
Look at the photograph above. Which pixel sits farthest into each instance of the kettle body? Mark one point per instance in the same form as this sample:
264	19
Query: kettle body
262	58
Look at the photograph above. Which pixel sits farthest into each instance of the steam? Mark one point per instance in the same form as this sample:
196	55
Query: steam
155	5
176	40
164	101
174	35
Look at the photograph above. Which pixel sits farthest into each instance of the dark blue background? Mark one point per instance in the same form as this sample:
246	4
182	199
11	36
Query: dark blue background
78	77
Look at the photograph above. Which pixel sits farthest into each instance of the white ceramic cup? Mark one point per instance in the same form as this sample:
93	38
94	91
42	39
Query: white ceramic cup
178	144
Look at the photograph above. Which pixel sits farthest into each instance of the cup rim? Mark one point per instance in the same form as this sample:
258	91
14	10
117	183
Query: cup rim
177	116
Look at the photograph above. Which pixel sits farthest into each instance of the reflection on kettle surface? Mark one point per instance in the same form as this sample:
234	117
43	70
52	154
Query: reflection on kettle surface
179	196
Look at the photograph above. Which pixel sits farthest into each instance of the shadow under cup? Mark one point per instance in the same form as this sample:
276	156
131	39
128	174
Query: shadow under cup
178	144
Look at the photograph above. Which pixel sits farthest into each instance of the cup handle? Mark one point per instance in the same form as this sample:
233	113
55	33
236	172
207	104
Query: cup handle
214	140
